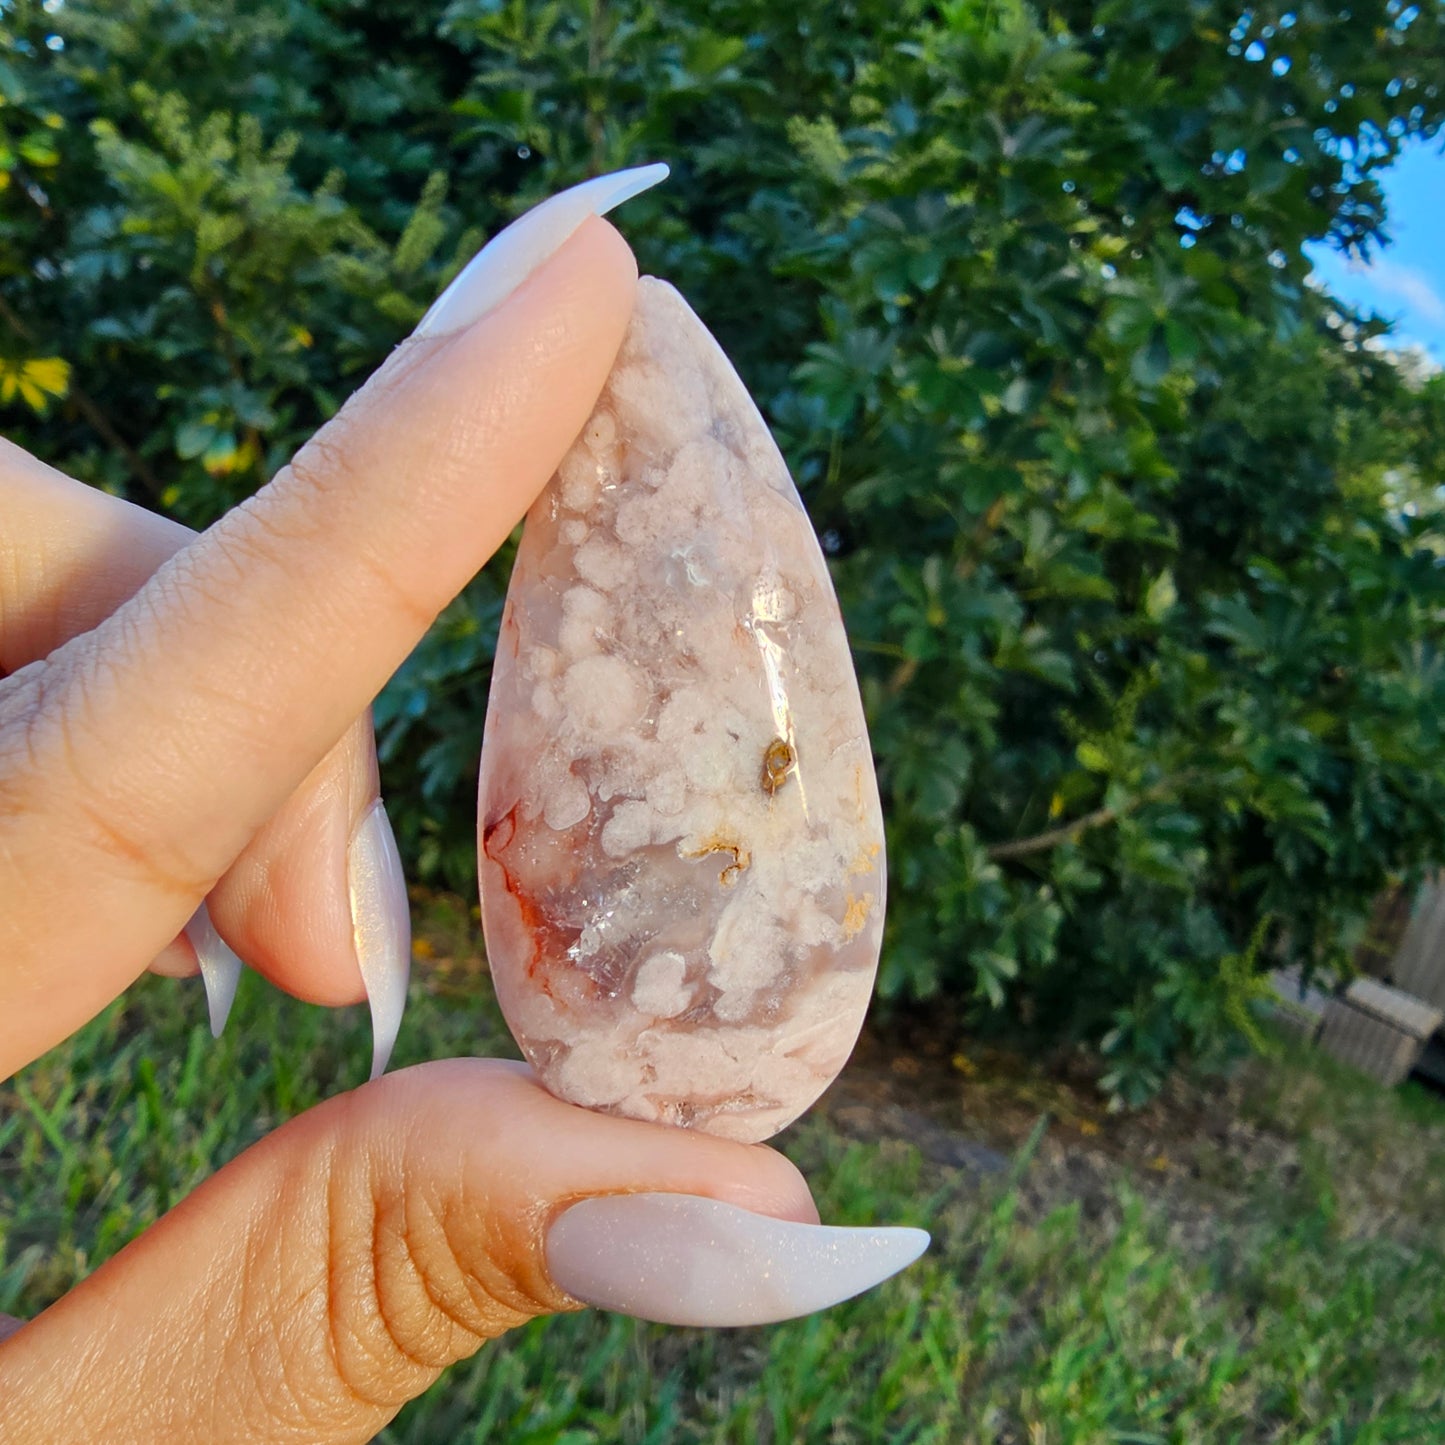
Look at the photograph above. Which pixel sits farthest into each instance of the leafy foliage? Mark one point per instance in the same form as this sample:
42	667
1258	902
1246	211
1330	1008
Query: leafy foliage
1137	535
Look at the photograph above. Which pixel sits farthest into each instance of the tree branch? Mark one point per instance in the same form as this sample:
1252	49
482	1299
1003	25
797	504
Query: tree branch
1068	832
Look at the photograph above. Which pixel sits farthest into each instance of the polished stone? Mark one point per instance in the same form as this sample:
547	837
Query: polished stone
681	845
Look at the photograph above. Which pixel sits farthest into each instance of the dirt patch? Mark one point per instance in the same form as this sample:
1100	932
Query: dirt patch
1206	1152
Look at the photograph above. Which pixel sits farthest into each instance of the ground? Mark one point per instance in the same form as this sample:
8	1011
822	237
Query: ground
1257	1256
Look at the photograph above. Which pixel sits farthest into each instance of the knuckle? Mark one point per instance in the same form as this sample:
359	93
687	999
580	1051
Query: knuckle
204	579
324	467
326	464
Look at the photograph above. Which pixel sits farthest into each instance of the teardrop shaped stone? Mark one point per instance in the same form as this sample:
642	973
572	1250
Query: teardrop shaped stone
681	846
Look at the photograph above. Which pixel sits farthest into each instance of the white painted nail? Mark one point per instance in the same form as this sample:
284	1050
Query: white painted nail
220	967
381	928
679	1259
513	254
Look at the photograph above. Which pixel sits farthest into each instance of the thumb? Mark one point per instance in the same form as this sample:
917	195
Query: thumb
330	1273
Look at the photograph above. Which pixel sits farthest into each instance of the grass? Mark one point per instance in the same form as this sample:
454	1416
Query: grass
1253	1258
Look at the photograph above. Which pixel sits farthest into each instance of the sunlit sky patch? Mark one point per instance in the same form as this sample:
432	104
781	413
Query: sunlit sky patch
1405	281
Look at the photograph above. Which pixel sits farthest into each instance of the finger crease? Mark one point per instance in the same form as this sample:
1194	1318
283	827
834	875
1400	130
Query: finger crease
444	1308
408	1352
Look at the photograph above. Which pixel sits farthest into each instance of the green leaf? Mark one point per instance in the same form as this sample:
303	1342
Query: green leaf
193	437
1161	596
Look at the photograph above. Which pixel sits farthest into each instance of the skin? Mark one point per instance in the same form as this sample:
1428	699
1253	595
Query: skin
184	717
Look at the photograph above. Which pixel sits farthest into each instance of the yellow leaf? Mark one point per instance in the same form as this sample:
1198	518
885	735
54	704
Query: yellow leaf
50	374
32	394
8	382
1161	596
422	948
1056	805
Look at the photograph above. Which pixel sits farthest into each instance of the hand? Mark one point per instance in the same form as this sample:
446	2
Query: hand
178	723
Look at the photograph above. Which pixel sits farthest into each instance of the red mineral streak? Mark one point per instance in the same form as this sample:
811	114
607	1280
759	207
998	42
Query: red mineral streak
534	918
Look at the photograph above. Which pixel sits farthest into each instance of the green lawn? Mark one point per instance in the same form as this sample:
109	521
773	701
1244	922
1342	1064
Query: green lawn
1254	1258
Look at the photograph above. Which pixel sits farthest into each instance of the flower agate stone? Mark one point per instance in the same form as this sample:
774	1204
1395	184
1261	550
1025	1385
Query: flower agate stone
681	845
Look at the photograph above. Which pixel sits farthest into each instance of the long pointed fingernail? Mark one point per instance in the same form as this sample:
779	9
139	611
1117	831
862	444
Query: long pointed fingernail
679	1259
513	254
220	967
381	928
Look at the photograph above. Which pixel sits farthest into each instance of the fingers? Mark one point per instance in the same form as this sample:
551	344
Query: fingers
317	900
69	556
333	1271
283	905
142	757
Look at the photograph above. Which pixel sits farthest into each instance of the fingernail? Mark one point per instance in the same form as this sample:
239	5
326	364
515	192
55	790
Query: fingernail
381	928
220	968
513	254
678	1259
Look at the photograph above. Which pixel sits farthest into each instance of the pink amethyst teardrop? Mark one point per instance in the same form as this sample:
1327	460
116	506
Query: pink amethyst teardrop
681	845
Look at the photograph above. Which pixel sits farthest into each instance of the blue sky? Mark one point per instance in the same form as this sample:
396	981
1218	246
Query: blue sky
1405	282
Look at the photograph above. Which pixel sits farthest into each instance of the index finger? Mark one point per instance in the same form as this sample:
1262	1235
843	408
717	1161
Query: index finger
138	760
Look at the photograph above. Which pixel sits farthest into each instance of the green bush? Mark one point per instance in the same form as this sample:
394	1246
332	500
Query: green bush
1136	534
